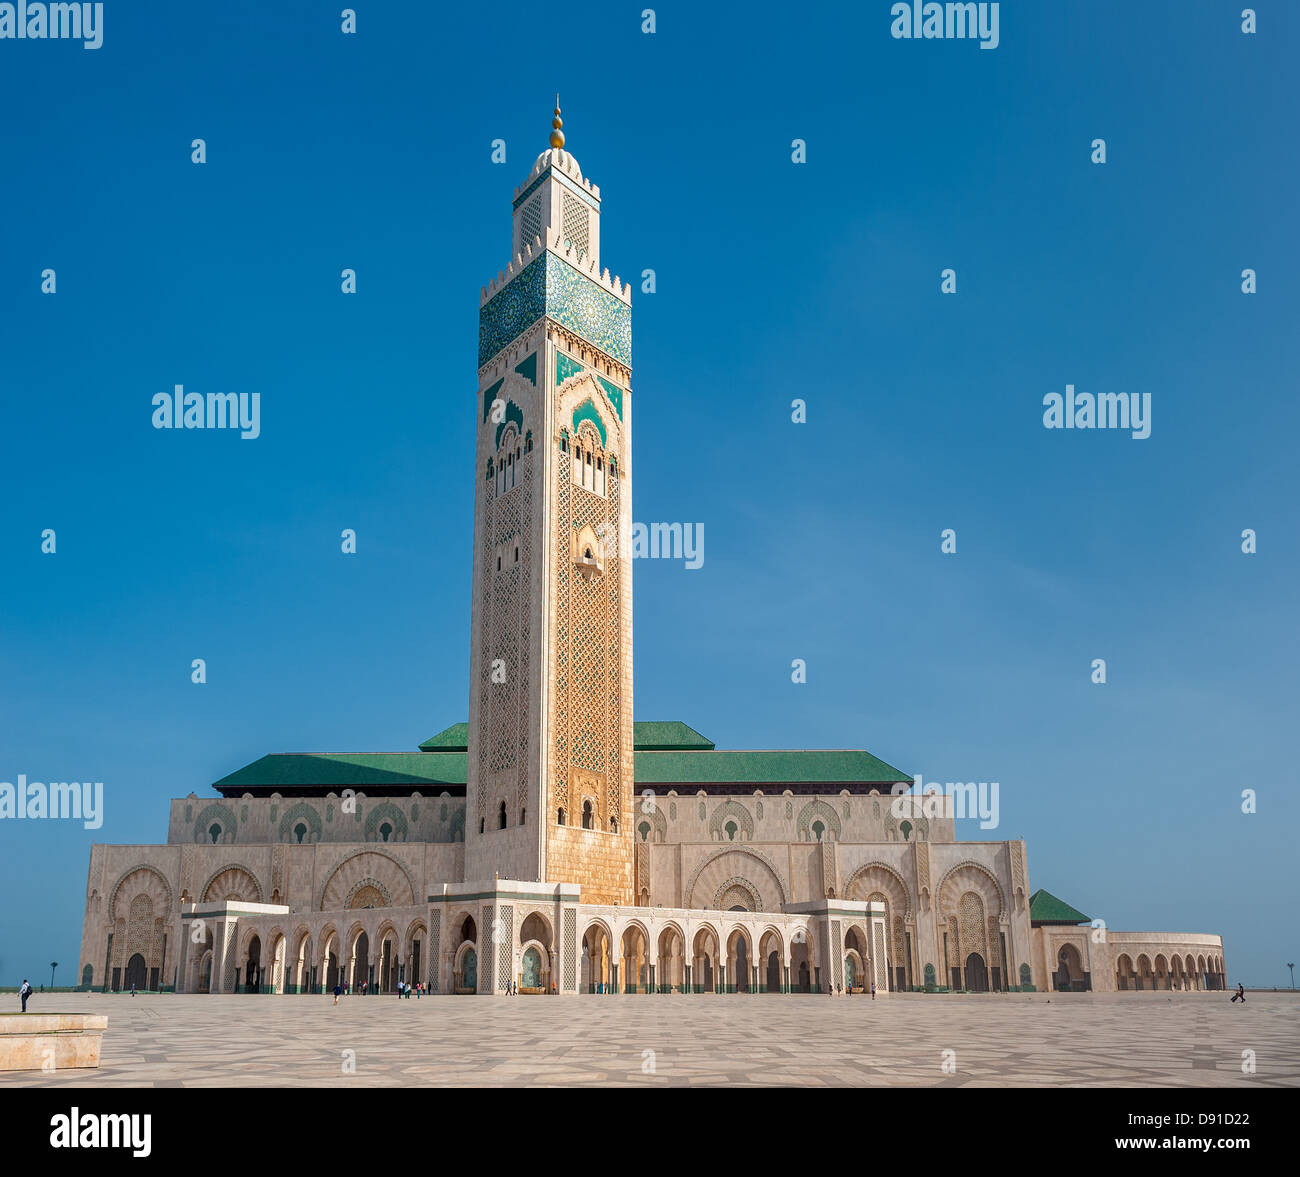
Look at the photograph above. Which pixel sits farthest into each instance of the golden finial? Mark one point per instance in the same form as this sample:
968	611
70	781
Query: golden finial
557	136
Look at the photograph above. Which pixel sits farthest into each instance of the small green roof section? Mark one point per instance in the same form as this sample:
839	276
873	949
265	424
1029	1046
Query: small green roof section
450	739
650	736
1045	908
348	769
667	736
815	766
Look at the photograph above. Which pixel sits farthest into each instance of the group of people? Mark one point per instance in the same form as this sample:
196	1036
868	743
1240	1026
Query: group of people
404	989
840	990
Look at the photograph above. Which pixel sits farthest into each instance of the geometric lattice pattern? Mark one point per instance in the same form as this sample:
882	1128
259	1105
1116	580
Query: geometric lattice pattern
505	950
587	695
530	222
435	938
504	618
970	926
570	925
575	220
486	943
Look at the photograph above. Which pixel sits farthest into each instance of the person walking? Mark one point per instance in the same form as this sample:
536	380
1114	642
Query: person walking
338	989
873	991
1240	995
132	988
25	992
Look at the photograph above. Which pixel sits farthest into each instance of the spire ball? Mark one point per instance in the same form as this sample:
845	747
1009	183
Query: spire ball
557	136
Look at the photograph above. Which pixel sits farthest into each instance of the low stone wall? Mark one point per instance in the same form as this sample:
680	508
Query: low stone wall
35	1042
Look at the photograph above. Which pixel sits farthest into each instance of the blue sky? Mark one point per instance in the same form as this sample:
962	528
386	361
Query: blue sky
775	281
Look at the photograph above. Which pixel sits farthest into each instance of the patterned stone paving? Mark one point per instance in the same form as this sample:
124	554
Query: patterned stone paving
1139	1040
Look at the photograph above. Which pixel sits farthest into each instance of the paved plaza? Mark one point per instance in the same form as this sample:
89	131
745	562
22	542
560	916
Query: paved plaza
1144	1040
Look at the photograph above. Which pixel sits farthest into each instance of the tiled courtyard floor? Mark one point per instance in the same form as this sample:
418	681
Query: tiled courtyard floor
1144	1040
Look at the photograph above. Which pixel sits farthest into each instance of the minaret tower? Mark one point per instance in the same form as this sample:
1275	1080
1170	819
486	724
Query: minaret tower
550	783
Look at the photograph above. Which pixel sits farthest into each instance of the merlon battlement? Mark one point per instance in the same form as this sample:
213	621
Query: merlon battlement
571	254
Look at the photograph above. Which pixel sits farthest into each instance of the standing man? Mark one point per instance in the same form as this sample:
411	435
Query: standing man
25	992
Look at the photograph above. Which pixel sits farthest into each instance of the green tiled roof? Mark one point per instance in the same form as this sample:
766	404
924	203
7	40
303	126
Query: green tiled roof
760	768
658	736
663	736
419	770
450	739
1045	908
347	769
667	753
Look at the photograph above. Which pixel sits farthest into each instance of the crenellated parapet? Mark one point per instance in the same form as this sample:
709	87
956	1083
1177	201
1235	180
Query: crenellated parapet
579	259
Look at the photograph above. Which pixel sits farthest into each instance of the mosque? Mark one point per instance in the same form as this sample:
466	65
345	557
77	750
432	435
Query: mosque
552	843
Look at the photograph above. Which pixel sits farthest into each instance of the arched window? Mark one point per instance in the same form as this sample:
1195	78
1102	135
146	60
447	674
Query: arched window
730	827
481	823
385	832
300	831
644	830
818	829
906	827
501	817
613	825
214	832
586	815
559	817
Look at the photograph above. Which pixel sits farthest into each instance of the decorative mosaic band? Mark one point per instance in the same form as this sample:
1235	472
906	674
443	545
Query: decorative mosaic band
548	285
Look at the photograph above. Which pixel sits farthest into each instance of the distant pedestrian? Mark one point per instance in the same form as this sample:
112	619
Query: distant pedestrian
25	992
338	989
1240	995
873	991
132	988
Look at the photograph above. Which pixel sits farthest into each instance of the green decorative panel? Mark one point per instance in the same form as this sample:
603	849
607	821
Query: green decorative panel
615	395
565	366
587	412
532	970
489	395
548	285
513	309
513	413
528	369
588	310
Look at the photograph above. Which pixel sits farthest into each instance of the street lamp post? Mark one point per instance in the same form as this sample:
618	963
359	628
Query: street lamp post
1291	966
54	964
